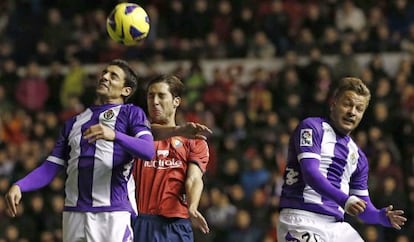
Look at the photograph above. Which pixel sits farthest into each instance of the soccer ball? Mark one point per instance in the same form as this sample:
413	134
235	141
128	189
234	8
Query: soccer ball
128	23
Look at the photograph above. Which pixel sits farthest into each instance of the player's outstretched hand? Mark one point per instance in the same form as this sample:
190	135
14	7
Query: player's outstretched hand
395	217
199	221
189	130
13	197
99	131
193	130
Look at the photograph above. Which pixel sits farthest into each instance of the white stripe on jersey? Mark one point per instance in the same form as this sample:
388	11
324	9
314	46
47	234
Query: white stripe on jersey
144	132
308	155
56	160
359	192
327	152
131	193
351	164
75	136
103	163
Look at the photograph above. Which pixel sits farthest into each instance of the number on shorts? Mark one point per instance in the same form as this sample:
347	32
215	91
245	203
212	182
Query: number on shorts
308	236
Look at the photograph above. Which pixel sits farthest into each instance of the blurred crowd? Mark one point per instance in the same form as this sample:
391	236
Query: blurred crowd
251	121
48	30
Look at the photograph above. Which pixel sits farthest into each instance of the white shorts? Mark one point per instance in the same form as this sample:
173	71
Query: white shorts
97	227
303	226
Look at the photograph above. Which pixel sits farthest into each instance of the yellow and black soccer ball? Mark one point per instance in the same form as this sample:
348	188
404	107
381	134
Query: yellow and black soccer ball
128	23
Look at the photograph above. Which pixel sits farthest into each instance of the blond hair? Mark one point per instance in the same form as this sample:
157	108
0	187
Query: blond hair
352	84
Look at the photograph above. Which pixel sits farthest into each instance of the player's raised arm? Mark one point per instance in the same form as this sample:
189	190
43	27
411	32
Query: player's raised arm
189	130
139	147
386	216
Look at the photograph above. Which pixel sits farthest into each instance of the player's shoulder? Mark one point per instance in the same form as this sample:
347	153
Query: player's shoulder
132	107
190	143
134	111
314	122
199	143
79	115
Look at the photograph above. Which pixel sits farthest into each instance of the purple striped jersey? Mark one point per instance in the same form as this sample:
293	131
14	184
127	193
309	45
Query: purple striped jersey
342	162
99	173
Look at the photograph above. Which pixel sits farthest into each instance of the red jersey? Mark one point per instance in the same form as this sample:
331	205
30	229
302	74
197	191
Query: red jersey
161	182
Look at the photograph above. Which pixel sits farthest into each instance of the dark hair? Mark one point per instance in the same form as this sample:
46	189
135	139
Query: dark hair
352	84
174	83
131	78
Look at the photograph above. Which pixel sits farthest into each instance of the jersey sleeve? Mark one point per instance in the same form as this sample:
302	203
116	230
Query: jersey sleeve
307	139
139	123
199	153
60	152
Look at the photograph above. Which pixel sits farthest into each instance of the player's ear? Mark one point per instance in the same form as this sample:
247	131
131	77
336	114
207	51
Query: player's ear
332	103
126	91
176	101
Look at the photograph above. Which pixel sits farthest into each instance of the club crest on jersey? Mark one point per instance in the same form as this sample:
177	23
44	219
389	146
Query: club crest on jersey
353	158
177	143
109	114
306	137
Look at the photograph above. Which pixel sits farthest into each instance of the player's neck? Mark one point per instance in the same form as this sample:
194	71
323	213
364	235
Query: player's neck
102	101
165	122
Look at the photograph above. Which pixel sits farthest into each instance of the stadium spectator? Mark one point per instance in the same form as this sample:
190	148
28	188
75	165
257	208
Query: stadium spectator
271	232
214	48
43	53
347	64
55	31
244	229
407	43
349	17
400	16
305	43
200	15
254	176
9	78
54	81
238	44
384	41
261	47
5	104
223	20
32	90
331	41
73	83
275	24
315	20
221	214
258	96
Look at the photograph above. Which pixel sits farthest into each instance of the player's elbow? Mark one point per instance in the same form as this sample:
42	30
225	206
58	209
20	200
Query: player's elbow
193	180
146	150
148	154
